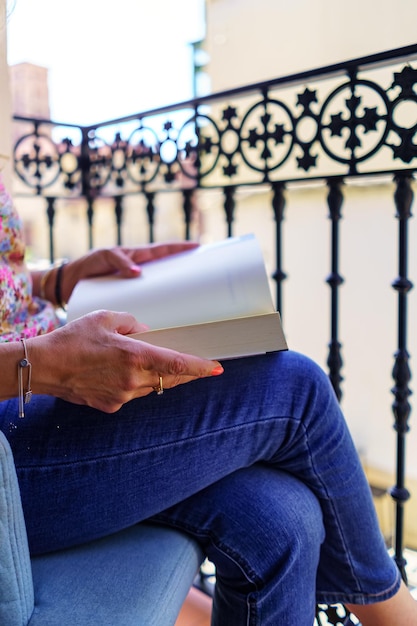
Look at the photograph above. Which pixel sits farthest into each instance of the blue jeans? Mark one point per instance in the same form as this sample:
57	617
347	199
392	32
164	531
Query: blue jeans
257	464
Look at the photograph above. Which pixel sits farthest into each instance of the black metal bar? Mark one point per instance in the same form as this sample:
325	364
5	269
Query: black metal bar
84	163
335	280
278	206
229	208
50	212
188	210
401	371
118	210
90	219
150	209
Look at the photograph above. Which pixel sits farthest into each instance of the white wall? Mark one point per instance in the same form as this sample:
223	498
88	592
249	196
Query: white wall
5	107
250	41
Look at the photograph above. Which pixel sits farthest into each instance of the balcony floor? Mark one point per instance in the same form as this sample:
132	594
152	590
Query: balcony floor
196	610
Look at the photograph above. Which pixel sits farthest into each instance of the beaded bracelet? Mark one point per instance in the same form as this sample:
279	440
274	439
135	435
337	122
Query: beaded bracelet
24	396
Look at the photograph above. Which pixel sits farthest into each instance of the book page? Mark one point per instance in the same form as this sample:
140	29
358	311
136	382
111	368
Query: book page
213	282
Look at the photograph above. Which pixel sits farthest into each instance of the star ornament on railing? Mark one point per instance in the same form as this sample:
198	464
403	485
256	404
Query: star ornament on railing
307	161
305	100
406	80
229	114
403	115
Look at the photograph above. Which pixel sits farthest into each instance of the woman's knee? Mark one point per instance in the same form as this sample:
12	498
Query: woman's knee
254	525
275	513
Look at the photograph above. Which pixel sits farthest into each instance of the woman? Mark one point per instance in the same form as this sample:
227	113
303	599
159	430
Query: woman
252	458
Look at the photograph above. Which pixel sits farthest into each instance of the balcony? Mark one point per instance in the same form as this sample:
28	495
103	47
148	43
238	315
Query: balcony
320	165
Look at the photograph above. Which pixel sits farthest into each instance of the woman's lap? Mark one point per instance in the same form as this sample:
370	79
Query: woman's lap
84	474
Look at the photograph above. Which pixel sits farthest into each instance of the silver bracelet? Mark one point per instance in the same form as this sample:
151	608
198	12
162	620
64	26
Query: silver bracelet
24	396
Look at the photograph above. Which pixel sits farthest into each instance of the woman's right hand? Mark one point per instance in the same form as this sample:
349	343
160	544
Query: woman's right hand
91	361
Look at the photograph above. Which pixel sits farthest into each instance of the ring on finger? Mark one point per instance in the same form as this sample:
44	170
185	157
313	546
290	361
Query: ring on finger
159	389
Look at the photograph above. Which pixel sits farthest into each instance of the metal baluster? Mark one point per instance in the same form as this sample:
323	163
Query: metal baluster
50	212
188	210
334	361
401	372
150	209
229	207
90	217
278	206
118	210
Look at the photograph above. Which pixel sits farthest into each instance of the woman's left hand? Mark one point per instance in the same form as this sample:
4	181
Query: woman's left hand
124	261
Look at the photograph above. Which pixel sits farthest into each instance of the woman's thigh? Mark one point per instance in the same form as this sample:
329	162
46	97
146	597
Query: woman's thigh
84	474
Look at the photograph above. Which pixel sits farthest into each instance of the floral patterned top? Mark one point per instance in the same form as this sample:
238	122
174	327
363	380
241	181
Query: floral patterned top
21	314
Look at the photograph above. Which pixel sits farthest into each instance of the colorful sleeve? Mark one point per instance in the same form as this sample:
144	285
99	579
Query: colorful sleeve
21	315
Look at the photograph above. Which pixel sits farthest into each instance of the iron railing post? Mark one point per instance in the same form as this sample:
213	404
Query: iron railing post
401	370
335	280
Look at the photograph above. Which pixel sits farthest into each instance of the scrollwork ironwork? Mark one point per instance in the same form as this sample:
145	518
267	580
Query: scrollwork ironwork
341	125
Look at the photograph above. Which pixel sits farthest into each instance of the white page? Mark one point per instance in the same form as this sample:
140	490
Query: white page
212	282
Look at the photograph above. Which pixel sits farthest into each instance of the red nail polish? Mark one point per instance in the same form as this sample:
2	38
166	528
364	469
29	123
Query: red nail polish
217	370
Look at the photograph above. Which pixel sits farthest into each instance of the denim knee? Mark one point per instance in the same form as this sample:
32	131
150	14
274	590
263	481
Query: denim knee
279	524
254	525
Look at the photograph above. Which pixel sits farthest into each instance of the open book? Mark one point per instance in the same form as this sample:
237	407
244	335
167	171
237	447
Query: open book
213	301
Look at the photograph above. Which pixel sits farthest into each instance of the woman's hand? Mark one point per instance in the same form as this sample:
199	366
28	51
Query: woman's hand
118	260
90	361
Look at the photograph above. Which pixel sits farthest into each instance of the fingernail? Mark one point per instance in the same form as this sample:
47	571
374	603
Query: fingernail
217	370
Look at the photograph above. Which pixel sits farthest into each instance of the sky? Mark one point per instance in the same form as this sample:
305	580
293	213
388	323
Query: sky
107	58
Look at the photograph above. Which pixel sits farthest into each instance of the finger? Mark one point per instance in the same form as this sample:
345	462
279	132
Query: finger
175	365
161	250
162	383
127	260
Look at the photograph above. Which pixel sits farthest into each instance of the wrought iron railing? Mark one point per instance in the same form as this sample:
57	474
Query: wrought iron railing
347	121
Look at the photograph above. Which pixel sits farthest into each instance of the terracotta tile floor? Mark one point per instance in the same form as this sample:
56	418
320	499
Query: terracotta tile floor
196	610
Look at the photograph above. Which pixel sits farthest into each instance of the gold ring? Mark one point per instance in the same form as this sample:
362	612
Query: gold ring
159	389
